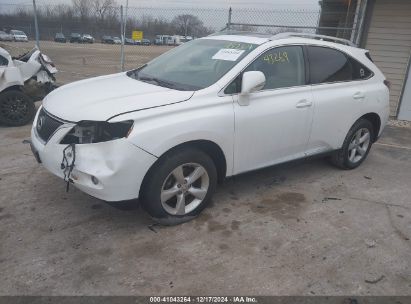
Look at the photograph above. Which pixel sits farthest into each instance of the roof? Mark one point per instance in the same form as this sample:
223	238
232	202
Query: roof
245	38
260	38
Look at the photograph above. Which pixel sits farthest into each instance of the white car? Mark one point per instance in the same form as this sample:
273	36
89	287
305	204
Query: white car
23	80
19	36
116	40
215	107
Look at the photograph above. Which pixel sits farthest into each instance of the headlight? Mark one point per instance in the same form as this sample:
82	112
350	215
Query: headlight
91	132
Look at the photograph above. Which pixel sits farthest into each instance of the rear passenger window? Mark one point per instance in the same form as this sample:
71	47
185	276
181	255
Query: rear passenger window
3	61
329	65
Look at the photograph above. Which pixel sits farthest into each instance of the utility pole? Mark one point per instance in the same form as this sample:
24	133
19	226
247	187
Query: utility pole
36	26
125	18
230	13
122	38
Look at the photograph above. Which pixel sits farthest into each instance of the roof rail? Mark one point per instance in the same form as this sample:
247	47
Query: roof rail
313	36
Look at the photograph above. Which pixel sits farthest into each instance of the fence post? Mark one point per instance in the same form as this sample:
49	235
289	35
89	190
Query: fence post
125	19
36	25
230	12
122	38
360	25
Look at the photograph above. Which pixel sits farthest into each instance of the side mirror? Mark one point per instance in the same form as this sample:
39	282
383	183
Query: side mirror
252	81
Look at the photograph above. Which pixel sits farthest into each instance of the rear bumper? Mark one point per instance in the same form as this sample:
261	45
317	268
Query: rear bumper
118	166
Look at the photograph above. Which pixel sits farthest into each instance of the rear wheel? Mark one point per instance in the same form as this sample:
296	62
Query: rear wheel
357	145
179	186
16	108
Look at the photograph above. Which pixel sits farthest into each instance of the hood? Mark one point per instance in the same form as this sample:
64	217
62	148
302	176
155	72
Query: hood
103	97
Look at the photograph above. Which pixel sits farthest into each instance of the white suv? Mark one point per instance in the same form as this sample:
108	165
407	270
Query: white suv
19	36
167	132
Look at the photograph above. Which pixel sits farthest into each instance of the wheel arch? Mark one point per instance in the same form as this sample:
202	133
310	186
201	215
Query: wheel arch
12	88
207	146
375	120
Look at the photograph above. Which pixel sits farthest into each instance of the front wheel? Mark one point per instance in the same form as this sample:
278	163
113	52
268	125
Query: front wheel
357	145
179	186
16	108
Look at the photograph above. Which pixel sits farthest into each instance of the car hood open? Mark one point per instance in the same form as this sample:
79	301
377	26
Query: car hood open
103	97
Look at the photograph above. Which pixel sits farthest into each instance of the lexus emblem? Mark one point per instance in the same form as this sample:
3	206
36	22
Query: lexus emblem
40	122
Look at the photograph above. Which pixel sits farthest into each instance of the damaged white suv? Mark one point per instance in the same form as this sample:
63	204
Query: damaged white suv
167	132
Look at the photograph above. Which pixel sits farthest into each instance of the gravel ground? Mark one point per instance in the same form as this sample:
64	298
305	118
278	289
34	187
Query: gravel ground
302	228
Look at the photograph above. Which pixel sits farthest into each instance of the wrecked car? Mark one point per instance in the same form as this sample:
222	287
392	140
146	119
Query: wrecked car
215	107
23	80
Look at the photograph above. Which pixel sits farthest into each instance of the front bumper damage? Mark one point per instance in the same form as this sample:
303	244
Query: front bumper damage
111	171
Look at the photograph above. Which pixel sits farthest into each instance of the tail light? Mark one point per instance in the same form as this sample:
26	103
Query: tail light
387	83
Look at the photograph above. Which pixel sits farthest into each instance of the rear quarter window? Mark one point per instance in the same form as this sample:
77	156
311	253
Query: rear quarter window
329	65
3	61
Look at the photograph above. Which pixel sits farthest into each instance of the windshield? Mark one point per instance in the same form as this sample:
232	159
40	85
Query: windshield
17	32
194	65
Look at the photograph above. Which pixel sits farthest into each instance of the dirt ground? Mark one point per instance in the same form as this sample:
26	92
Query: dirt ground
78	61
299	229
304	228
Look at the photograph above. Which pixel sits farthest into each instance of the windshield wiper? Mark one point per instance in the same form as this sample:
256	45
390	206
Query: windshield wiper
134	73
158	82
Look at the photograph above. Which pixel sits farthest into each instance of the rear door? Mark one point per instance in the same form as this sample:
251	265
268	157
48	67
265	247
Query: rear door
339	96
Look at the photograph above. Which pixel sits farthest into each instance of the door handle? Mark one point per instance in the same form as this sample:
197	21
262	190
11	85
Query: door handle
304	104
359	96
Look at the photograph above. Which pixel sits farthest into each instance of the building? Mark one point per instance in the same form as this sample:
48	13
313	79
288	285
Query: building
384	28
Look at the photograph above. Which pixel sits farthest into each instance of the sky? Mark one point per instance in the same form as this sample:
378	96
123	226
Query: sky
258	4
298	12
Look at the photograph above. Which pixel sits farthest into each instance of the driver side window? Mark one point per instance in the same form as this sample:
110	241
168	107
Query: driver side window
283	67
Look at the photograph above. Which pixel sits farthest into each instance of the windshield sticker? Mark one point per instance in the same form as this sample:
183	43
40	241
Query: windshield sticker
240	46
273	58
228	54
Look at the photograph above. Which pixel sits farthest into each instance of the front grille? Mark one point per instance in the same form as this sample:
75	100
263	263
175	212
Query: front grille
46	125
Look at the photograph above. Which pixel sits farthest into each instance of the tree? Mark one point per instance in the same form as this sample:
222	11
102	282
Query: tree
187	25
102	8
82	8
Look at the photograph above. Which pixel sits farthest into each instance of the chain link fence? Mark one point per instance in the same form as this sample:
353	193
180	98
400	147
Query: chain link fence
147	31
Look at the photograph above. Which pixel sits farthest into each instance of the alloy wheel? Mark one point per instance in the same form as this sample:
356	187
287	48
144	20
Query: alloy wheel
184	189
359	145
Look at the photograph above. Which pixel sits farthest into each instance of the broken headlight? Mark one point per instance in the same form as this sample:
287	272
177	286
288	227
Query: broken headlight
91	132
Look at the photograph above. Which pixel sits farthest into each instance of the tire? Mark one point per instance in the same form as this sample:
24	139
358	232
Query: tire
357	145
16	108
164	189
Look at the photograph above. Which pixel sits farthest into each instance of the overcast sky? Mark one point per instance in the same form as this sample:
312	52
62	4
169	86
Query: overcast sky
258	4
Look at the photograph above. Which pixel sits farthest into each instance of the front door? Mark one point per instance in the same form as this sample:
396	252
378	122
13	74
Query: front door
275	126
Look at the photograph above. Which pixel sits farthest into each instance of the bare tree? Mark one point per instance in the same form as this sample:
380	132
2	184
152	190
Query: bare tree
102	8
82	8
187	25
